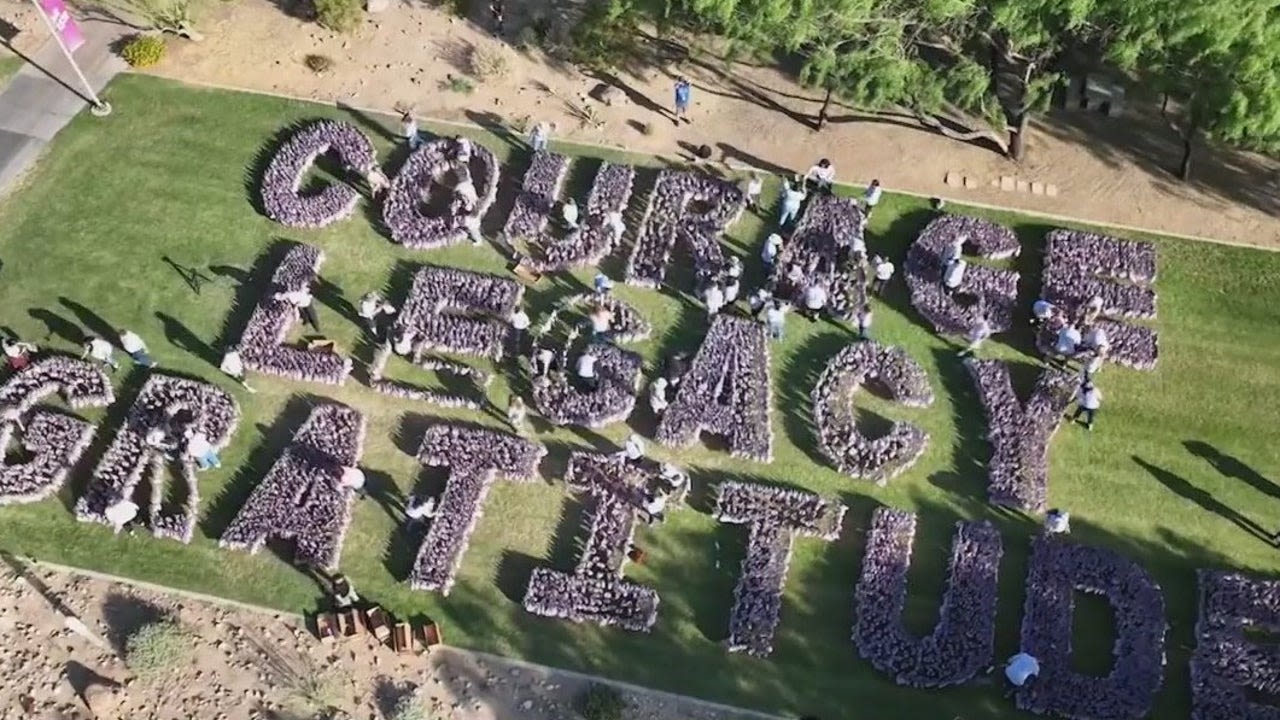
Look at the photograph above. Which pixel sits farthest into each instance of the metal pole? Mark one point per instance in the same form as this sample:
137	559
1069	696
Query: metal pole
99	108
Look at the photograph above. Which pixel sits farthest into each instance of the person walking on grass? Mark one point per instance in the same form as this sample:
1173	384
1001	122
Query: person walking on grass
752	190
302	302
17	354
201	450
353	479
100	350
569	213
409	128
822	175
683	91
769	253
586	370
496	14
871	197
540	136
375	313
976	336
1090	399
793	194
233	366
883	274
136	348
776	319
517	413
864	322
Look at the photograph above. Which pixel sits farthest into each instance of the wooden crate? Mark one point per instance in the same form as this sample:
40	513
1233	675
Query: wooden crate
404	639
327	627
379	623
432	634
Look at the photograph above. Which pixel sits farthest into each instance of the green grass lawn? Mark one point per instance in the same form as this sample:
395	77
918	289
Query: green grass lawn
9	64
93	237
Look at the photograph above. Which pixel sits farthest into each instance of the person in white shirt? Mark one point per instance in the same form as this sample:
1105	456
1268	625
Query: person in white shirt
1057	522
752	190
344	594
955	250
714	297
465	191
815	299
977	335
1041	311
586	370
136	348
409	128
676	479
302	301
403	345
658	395
822	175
375	313
769	253
352	479
864	322
463	147
758	300
120	514
1090	399
871	197
471	223
601	318
1092	311
569	213
732	289
616	225
734	268
1068	341
775	318
17	354
655	506
954	275
602	284
543	358
858	248
419	509
100	350
201	450
633	450
517	413
1095	338
233	367
883	274
540	136
792	196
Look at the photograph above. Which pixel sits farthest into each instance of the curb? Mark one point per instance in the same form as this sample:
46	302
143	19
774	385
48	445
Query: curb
476	654
1072	219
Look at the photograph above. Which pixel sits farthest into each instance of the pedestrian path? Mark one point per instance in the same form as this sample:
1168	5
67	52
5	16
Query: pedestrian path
42	97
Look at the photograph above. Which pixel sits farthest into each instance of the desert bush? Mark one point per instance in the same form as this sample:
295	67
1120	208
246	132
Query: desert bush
412	706
458	84
171	16
528	38
157	646
143	51
601	702
340	15
489	62
318	63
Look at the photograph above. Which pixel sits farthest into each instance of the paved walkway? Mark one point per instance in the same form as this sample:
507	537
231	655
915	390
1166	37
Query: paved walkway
42	97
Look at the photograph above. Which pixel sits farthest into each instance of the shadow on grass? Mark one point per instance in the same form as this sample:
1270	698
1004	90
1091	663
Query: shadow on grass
798	376
253	283
124	615
81	475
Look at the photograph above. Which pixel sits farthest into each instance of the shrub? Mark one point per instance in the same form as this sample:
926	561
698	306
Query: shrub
489	62
340	15
318	63
412	706
143	51
528	38
458	84
157	646
601	702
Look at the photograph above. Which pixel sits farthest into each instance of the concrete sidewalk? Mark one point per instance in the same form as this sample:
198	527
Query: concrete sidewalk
45	94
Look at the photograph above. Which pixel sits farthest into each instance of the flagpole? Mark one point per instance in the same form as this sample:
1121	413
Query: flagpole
99	108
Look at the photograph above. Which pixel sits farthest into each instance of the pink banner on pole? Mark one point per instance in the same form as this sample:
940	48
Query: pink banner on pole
63	24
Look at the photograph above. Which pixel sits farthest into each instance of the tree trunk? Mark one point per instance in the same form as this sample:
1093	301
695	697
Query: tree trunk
823	114
1018	137
1184	167
933	123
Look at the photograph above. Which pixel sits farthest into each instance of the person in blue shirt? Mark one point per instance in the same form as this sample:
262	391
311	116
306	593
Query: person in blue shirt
683	90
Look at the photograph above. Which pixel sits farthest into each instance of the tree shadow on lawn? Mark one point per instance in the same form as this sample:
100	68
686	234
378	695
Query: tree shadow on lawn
253	285
798	377
274	440
515	569
95	323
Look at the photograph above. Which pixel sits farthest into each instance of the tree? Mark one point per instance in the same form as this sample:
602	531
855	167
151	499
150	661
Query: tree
1217	63
966	68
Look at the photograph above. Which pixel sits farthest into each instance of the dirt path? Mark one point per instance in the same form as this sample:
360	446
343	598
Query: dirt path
1104	170
245	664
